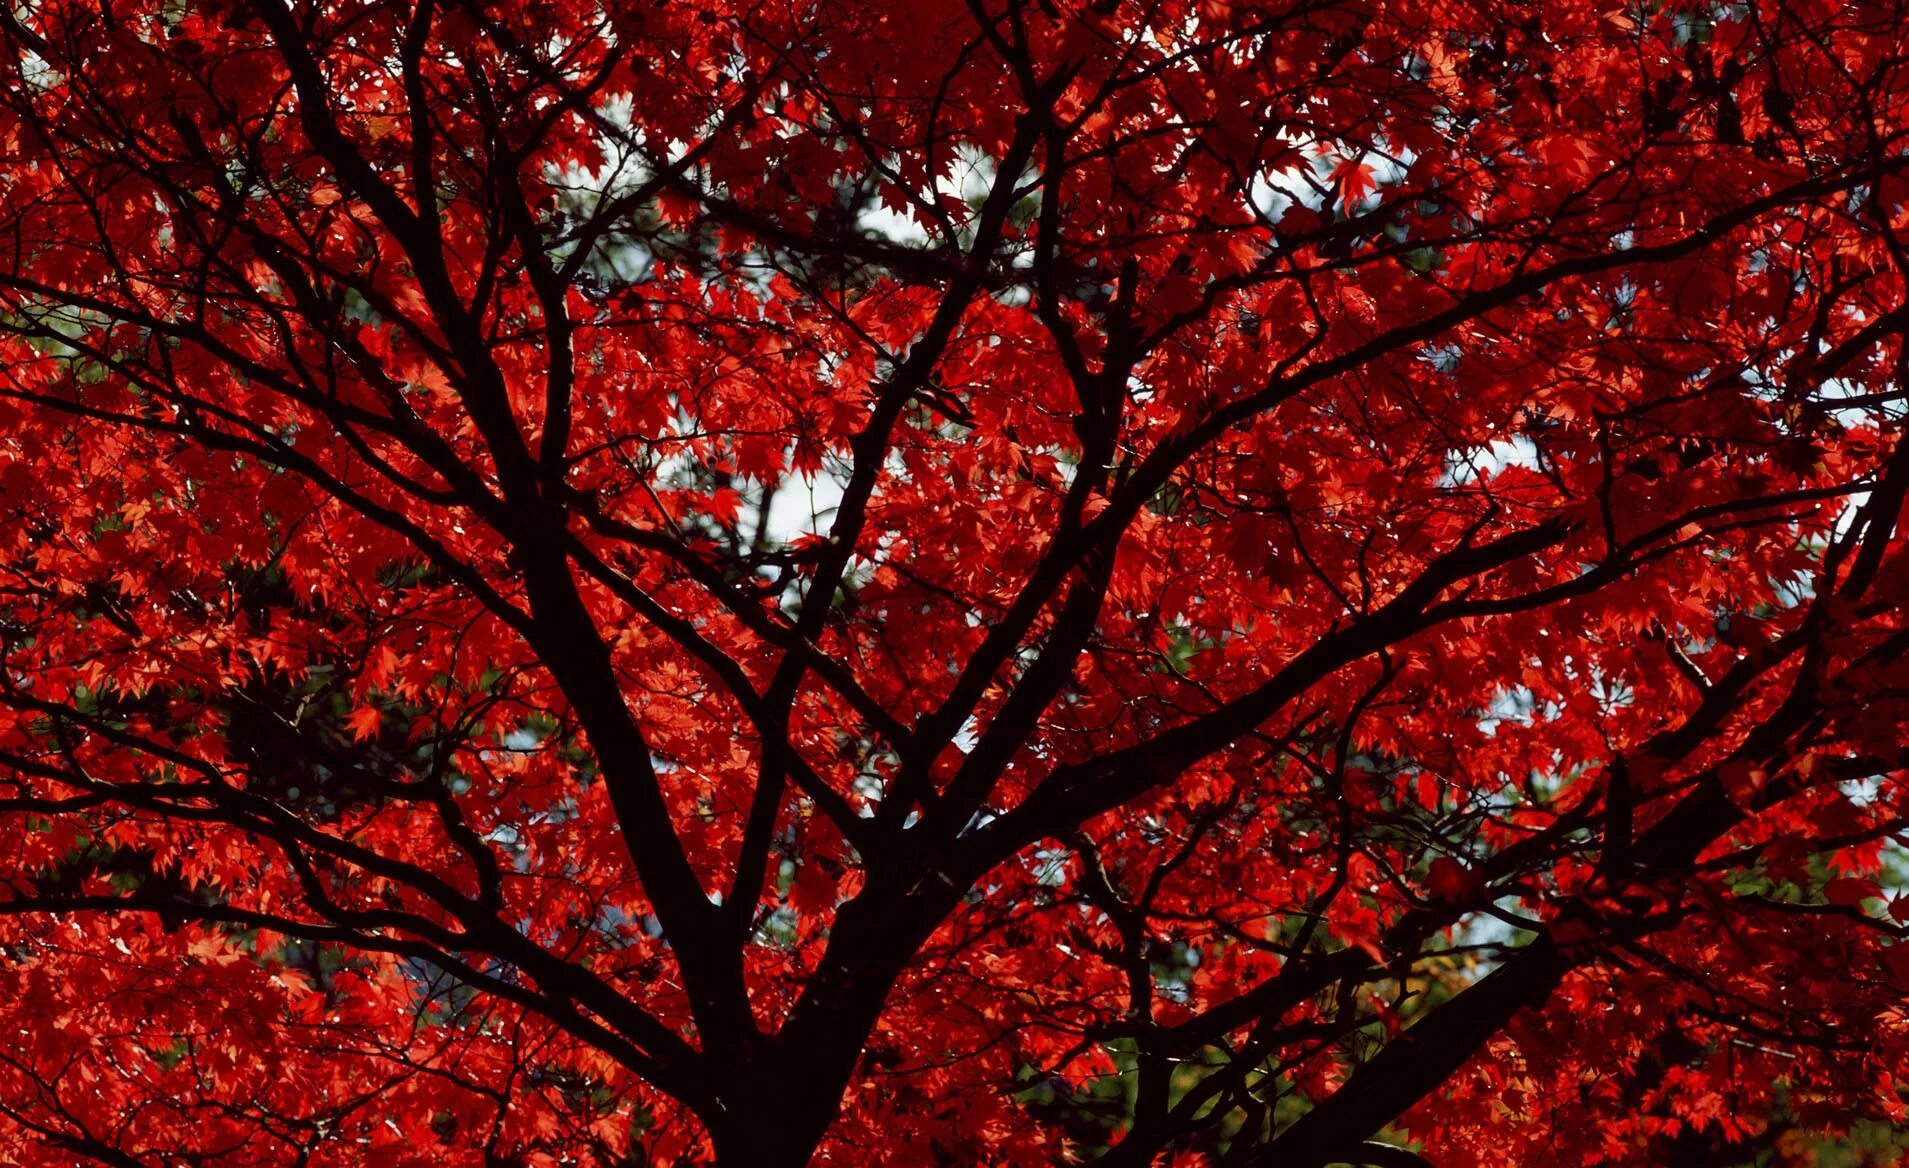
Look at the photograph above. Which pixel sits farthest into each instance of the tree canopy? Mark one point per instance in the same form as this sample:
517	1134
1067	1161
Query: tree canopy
960	582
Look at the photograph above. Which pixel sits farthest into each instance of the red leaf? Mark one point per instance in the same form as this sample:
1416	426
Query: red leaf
1850	891
1453	882
364	722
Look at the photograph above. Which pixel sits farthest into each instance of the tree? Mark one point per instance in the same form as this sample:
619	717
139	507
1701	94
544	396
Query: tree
1165	581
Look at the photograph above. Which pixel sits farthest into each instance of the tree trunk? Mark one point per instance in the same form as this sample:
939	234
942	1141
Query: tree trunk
776	1120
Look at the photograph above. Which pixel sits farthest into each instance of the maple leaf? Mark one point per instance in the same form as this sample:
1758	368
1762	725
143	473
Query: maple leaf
1355	179
365	722
1850	891
1453	881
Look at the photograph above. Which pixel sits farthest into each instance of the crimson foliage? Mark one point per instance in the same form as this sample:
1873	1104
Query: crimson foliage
950	583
